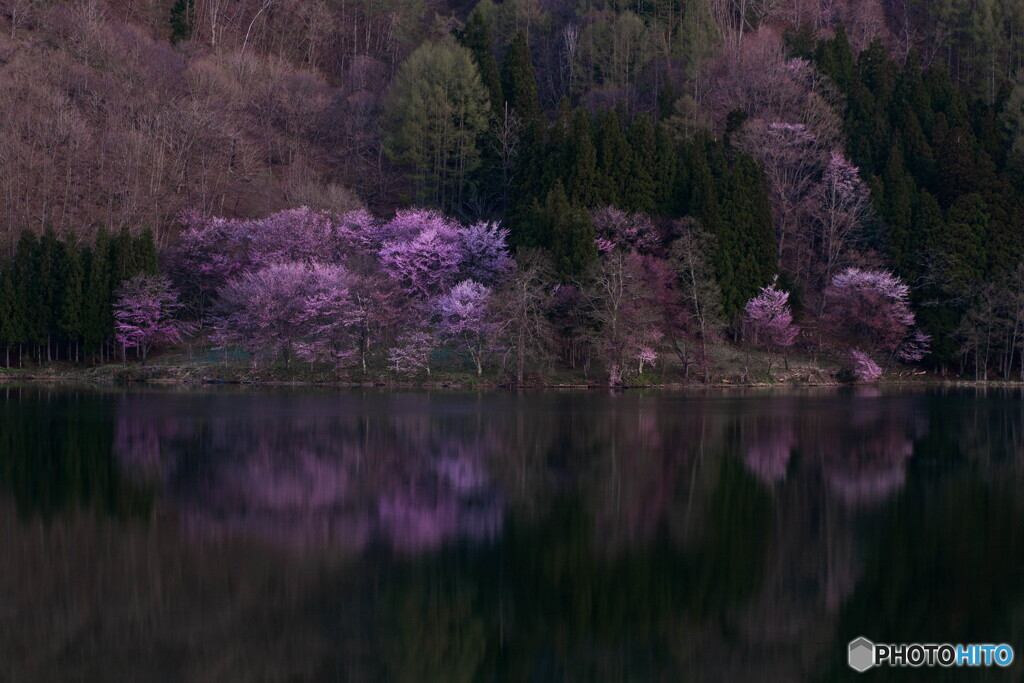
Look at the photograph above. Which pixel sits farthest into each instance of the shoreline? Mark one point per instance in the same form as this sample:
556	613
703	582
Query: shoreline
170	376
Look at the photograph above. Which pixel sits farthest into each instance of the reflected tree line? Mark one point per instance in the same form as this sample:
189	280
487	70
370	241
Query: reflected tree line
554	536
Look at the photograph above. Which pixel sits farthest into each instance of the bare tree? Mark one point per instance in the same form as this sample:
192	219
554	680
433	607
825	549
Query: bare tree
691	260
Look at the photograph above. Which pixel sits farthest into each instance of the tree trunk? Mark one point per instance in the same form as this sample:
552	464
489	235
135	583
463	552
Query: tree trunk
520	363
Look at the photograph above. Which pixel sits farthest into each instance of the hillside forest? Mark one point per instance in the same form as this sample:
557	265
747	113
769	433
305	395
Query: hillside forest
624	189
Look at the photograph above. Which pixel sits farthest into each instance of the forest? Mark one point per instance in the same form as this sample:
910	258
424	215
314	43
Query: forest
621	189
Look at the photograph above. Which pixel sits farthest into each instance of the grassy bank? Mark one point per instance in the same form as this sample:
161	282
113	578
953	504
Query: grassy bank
733	366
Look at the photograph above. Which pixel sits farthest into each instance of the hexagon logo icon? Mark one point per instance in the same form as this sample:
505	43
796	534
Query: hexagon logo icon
861	654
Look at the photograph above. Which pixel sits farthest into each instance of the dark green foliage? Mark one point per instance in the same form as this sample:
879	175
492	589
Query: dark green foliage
572	234
476	37
519	82
942	179
70	323
56	296
746	236
582	178
181	20
579	164
639	191
614	160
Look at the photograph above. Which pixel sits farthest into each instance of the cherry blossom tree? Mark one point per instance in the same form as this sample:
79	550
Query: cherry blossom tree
618	229
842	204
484	251
769	317
332	316
864	369
467	320
412	352
203	258
409	223
268	311
426	262
870	310
356	232
144	314
293	235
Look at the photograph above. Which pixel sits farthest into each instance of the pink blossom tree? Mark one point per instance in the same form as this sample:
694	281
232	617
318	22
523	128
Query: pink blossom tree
144	314
769	317
204	257
864	369
467	320
870	311
293	235
268	311
484	252
409	223
332	316
426	262
842	204
617	229
412	352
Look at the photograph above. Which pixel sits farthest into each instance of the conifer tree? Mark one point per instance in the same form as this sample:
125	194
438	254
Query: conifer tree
571	233
614	160
519	83
476	37
99	322
437	112
23	276
8	334
639	192
72	301
666	168
582	178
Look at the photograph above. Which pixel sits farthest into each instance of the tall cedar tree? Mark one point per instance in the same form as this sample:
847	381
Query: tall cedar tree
569	231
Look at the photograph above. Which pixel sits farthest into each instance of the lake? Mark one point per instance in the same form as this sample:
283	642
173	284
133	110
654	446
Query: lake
324	535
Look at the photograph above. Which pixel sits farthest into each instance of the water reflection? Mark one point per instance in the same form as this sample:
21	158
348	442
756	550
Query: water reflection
507	537
302	471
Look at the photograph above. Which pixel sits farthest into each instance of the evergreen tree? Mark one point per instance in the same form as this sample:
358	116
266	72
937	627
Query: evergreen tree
123	257
24	271
73	302
614	160
835	59
666	168
145	254
98	320
519	83
897	208
476	37
437	112
47	290
181	20
639	192
582	179
746	235
8	334
571	234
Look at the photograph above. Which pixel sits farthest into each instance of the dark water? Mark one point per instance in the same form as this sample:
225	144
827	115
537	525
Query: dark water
301	535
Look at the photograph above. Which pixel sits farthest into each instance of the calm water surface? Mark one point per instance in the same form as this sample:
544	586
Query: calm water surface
224	535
